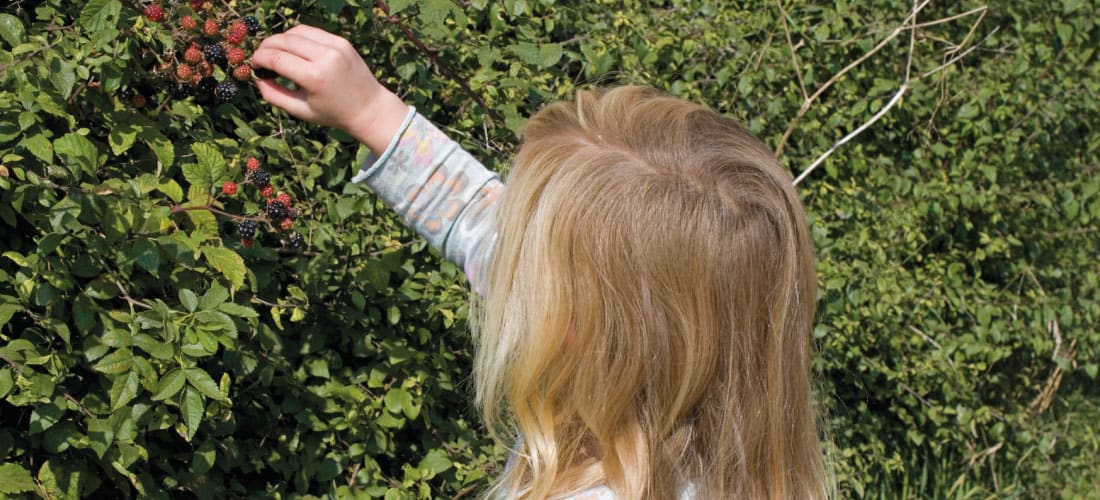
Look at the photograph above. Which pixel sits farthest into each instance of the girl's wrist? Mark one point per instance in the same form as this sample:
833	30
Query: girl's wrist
379	121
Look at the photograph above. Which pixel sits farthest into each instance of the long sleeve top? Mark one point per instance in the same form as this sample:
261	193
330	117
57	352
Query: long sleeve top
447	196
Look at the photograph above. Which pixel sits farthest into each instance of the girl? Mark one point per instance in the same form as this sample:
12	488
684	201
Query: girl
647	281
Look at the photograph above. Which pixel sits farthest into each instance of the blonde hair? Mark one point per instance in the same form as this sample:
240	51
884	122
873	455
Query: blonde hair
646	324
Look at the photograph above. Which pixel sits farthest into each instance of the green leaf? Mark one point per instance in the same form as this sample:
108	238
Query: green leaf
124	389
192	410
99	15
124	133
189	299
227	262
63	76
171	189
211	162
157	349
214	296
238	310
40	147
202	460
11	29
170	384
84	313
6	382
435	462
45	416
120	361
162	147
549	54
202	381
15	479
198	175
7	311
79	154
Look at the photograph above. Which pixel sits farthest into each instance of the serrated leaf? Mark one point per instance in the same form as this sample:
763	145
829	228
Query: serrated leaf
162	147
157	349
119	361
45	416
99	15
7	311
198	175
84	313
124	389
227	262
11	29
214	296
170	384
211	162
192	410
549	54
63	76
78	153
15	479
189	299
39	146
171	189
238	310
202	381
6	382
123	135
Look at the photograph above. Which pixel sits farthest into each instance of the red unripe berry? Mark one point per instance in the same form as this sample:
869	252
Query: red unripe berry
246	242
183	72
237	32
285	198
193	54
195	79
235	55
210	27
229	188
252	163
206	69
138	101
242	72
154	13
267	191
189	23
286	223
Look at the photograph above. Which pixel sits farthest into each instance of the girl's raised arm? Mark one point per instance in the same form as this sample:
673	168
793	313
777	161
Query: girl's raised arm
432	183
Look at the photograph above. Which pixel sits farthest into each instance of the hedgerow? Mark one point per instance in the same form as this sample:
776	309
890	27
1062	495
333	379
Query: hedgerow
146	350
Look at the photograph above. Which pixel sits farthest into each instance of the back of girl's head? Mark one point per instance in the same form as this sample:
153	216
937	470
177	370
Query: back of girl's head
647	320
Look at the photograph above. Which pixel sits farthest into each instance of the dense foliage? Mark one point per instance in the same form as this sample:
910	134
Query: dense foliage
145	351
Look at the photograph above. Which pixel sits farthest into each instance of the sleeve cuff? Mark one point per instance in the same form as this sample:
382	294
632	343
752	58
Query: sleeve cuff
375	161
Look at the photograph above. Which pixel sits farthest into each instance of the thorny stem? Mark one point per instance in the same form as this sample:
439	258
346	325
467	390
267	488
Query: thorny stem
431	53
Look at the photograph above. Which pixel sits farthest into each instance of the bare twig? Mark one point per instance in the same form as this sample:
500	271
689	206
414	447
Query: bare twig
790	45
806	103
911	20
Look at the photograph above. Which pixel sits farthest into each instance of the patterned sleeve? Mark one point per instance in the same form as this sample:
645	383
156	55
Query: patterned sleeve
441	191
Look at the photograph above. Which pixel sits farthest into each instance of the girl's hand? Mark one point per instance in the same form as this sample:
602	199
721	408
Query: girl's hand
335	86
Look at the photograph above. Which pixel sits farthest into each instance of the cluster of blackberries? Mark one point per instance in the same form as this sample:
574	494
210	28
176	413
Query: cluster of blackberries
277	211
214	47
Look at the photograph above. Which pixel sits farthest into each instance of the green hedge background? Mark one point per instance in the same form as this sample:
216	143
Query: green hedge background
144	352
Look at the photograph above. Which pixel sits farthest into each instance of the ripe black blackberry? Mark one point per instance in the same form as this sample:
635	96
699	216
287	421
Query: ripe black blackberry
247	228
295	240
225	91
183	90
215	54
207	86
253	25
276	210
258	177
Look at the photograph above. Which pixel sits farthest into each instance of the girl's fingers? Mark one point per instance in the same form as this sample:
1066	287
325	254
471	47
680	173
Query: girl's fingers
284	63
301	46
293	101
318	35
